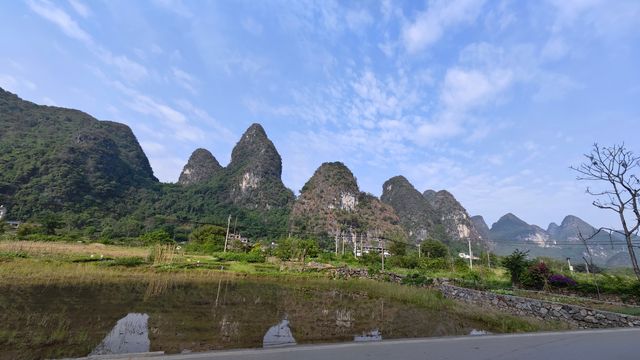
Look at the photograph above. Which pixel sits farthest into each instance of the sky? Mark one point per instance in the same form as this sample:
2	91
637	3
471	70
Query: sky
490	100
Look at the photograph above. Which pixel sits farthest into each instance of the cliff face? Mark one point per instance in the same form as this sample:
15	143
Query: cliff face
453	217
254	174
201	167
417	216
331	204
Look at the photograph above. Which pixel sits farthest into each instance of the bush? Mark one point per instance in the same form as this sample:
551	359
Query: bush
561	281
536	276
417	280
295	248
28	229
406	262
156	237
434	249
516	263
434	264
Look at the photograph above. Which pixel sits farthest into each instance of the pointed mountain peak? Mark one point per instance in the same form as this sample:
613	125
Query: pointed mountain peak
202	166
572	220
257	152
334	174
510	218
429	194
397	181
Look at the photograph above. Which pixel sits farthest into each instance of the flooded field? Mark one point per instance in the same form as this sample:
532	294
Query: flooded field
52	321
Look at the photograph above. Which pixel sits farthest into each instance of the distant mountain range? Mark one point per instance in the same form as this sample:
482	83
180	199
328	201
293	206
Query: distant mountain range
94	174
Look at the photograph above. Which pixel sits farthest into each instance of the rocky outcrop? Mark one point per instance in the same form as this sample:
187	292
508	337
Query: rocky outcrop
201	167
253	177
481	227
330	204
510	228
417	217
453	217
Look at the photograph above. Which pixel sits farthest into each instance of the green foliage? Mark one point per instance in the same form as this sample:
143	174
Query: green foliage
128	261
250	257
535	277
434	249
156	237
406	261
429	264
3	227
207	238
417	280
292	248
27	229
516	264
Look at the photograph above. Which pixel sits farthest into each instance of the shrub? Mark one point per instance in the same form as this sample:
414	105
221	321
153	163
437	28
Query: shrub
434	264
417	280
156	237
561	281
536	276
516	263
433	249
406	262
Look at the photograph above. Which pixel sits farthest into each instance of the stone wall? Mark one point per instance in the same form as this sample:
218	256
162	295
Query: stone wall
543	310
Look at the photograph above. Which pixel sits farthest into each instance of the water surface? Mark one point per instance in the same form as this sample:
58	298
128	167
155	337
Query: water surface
67	321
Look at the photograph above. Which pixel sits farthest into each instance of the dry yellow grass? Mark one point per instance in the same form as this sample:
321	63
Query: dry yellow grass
62	248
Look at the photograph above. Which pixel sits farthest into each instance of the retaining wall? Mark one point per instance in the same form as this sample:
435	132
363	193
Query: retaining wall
543	310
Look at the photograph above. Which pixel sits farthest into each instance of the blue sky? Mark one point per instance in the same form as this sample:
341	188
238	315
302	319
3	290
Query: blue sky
491	100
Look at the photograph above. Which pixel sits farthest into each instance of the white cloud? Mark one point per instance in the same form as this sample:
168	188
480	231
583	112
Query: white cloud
440	16
128	69
79	7
57	16
184	79
465	89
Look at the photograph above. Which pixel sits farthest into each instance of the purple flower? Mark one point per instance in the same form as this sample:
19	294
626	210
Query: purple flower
559	280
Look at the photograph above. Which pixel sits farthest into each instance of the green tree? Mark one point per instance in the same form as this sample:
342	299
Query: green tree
295	248
156	237
50	221
211	235
434	249
3	226
516	264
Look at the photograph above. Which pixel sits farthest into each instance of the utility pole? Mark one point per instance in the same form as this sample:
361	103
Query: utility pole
382	255
419	252
470	255
226	238
336	244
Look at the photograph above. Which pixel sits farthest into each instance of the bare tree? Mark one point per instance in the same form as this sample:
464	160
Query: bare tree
619	169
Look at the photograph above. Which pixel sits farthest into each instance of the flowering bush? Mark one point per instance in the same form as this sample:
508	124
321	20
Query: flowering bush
559	280
536	276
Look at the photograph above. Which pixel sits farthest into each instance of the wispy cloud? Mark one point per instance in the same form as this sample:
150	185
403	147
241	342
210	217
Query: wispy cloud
59	17
80	8
440	16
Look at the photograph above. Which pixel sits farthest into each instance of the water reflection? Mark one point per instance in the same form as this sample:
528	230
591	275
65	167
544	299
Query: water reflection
279	335
373	335
130	335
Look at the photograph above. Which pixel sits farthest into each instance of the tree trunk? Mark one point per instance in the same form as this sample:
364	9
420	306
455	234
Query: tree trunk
632	255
